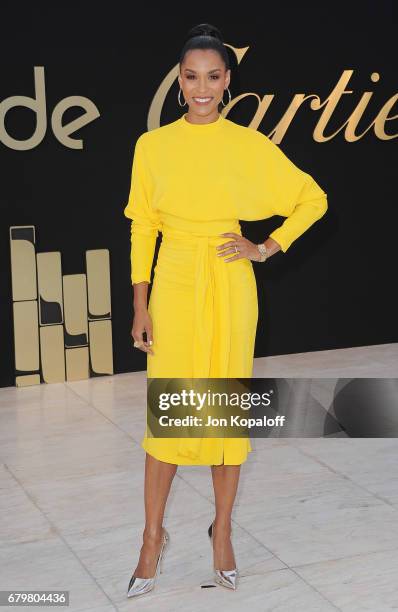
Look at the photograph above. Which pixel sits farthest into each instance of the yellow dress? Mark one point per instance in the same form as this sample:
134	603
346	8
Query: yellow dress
193	182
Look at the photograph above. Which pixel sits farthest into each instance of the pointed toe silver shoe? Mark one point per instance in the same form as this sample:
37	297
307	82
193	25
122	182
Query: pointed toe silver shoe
140	586
226	578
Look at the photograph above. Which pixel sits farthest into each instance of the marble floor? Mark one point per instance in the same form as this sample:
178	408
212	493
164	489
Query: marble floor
315	524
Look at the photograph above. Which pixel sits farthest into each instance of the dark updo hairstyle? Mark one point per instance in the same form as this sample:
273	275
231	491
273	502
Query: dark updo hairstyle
205	36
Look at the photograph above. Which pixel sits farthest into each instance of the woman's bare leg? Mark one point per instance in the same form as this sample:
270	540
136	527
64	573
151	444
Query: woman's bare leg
225	483
158	478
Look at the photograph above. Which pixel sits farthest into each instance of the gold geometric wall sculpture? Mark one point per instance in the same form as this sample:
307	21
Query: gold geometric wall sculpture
62	323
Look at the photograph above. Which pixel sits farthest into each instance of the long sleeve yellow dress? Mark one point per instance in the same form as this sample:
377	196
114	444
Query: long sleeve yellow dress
193	182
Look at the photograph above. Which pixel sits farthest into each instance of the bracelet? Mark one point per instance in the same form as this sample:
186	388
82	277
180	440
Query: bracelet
263	251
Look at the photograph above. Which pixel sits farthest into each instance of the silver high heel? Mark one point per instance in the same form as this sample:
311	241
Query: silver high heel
140	586
226	578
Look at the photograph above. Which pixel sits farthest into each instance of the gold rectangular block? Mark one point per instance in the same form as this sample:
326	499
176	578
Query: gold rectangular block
75	310
26	336
77	366
28	380
23	262
101	353
52	353
49	280
98	284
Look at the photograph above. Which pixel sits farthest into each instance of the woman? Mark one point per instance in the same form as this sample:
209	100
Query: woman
193	179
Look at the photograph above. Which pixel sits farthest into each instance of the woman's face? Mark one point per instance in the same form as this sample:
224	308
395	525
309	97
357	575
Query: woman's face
203	75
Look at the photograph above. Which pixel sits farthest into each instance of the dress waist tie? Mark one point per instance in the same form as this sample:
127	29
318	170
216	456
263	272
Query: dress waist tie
212	316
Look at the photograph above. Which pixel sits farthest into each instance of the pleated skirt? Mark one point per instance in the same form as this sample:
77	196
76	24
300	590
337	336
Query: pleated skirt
204	313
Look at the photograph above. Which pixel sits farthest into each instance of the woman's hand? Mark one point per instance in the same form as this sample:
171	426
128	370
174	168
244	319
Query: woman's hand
142	323
246	248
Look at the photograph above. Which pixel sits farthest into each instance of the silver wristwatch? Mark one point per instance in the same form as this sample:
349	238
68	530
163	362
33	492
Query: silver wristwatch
263	252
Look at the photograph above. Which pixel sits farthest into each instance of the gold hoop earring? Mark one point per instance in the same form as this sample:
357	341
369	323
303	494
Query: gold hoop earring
179	101
222	99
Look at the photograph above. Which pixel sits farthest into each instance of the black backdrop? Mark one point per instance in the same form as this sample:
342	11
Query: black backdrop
334	287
